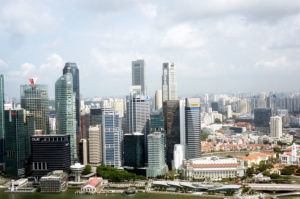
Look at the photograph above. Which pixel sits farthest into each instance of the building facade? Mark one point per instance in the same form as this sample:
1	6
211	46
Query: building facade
156	155
172	127
134	153
73	69
65	111
95	145
2	122
34	98
276	127
169	82
112	138
262	119
192	128
213	168
158	100
138	74
50	153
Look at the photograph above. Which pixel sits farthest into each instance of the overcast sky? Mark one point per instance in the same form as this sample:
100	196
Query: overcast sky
216	45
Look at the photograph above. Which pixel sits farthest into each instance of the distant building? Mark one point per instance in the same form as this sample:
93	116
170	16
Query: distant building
172	127
169	82
57	181
134	153
192	128
156	155
34	98
262	119
95	145
96	116
138	74
158	99
215	106
157	120
178	157
66	111
112	138
255	158
213	168
276	127
50	153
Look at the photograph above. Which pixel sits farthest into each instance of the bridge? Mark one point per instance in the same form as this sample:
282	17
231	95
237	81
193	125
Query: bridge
286	194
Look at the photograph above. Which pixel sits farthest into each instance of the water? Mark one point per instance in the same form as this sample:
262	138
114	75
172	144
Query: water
71	195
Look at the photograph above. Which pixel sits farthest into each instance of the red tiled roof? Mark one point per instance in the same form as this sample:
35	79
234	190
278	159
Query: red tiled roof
213	165
94	182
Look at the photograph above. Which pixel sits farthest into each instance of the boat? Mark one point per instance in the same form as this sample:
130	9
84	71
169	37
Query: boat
129	192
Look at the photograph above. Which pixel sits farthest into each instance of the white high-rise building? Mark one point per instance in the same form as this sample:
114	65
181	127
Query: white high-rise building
169	82
138	74
182	124
178	156
95	145
276	126
158	99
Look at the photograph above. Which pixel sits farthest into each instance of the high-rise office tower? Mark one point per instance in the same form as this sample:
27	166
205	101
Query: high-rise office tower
169	82
276	127
134	153
138	113
29	129
156	155
65	111
172	127
14	143
262	119
50	153
112	137
2	122
192	128
138	74
83	152
34	98
96	116
158	99
73	69
95	145
182	124
157	121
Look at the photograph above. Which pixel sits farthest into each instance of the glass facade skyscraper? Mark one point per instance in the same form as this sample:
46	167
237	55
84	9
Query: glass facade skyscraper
169	82
2	122
34	98
112	138
193	128
73	69
134	153
138	74
65	111
14	143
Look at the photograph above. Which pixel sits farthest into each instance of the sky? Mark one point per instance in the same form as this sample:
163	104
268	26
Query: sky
217	46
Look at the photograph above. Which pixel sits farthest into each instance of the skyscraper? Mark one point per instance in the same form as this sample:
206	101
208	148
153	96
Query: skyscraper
134	153
138	74
2	122
73	69
95	145
112	138
276	127
192	128
156	155
169	82
138	113
172	127
158	99
262	119
14	143
65	111
34	98
96	116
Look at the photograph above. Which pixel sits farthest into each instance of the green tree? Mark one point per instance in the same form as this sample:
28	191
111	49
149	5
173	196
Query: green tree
217	121
87	170
204	136
277	149
249	172
266	173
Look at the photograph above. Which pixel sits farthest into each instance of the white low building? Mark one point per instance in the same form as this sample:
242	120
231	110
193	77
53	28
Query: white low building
94	185
213	168
291	158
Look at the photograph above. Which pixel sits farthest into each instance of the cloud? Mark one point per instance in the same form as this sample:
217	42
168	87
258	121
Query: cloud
281	63
3	64
23	18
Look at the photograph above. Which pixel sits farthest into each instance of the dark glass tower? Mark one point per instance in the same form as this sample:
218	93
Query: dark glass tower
2	119
73	69
134	155
172	127
14	143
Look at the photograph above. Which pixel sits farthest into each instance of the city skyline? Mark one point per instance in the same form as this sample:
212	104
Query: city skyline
249	46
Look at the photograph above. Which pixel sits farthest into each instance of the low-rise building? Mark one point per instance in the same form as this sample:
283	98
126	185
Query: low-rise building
56	181
290	157
213	168
92	186
255	158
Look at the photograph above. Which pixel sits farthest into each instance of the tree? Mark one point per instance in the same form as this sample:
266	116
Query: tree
204	136
87	170
249	172
266	173
217	121
277	149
